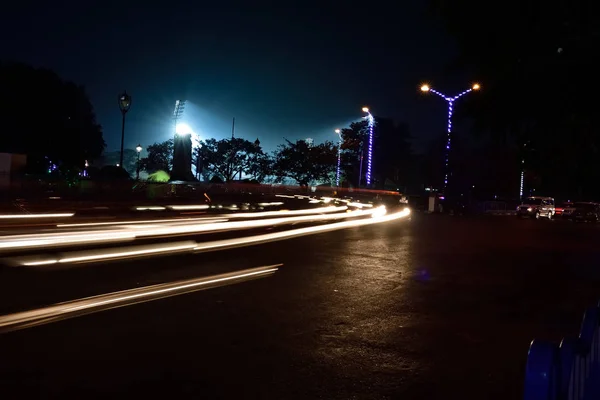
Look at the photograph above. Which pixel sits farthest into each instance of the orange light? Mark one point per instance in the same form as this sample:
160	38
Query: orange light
476	86
365	109
425	88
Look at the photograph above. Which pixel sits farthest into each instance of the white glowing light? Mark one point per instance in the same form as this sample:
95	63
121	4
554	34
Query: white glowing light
183	129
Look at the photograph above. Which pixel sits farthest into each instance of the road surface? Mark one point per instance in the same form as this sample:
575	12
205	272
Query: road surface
432	308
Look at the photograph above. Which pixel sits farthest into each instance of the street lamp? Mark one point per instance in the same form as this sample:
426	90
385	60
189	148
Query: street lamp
450	100
124	104
138	148
339	160
371	124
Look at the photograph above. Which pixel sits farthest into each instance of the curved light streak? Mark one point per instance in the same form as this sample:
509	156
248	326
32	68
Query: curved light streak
379	215
131	233
80	307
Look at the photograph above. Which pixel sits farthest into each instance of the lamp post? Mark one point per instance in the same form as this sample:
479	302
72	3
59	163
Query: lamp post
450	100
138	148
124	104
371	124
339	160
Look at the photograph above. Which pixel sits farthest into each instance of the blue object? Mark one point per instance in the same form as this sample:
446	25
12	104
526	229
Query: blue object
569	371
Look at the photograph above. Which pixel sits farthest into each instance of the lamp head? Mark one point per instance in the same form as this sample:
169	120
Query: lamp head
425	88
476	86
338	131
124	102
138	148
365	109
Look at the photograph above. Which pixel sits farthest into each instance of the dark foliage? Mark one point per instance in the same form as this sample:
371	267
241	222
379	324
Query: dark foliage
44	116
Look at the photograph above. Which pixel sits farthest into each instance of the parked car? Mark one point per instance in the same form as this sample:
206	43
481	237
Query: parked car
537	207
584	212
559	209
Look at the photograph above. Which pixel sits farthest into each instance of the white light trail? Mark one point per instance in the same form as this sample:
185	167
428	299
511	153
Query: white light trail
277	236
33	216
189	207
110	254
75	308
260	214
378	216
147	221
74	238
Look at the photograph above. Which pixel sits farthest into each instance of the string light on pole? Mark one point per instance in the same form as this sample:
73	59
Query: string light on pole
339	160
450	100
522	185
371	125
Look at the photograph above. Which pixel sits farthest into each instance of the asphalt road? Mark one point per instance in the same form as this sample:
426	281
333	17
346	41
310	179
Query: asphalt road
433	308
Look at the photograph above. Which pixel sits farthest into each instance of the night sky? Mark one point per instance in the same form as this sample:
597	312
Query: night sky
282	69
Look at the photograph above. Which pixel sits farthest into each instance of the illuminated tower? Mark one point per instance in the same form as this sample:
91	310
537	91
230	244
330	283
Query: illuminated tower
182	148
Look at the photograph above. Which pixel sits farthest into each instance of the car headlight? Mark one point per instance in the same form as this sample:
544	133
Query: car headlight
529	209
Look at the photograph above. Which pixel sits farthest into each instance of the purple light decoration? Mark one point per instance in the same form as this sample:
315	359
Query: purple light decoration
339	160
371	122
450	100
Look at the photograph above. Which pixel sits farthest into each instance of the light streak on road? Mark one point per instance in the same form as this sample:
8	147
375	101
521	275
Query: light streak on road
146	221
66	239
189	207
109	254
277	236
80	307
48	240
378	216
262	214
34	216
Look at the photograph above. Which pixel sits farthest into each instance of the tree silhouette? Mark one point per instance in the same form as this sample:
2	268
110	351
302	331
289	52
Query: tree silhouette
160	157
354	142
304	163
226	158
44	116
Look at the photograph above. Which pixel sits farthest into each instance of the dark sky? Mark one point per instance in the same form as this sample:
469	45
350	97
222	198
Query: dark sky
293	69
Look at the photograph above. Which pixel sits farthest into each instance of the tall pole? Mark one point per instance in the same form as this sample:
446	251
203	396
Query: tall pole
122	139
360	169
371	125
138	166
450	100
233	128
339	160
124	101
522	184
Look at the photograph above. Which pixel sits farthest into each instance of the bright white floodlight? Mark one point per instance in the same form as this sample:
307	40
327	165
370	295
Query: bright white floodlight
183	129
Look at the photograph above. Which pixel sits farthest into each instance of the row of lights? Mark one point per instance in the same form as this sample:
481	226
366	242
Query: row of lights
371	124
